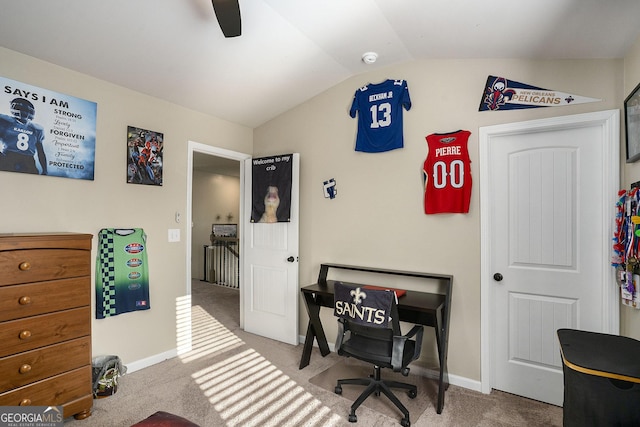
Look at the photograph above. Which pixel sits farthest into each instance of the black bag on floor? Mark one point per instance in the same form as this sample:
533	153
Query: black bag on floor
105	373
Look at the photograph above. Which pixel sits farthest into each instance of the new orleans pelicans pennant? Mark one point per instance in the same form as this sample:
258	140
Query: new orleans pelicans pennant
502	94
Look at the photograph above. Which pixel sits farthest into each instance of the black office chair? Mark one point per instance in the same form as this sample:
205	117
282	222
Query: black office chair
369	330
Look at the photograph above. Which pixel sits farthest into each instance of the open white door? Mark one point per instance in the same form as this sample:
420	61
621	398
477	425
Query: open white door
270	274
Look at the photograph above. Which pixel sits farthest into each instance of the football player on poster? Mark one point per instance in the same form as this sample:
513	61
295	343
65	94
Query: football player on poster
21	140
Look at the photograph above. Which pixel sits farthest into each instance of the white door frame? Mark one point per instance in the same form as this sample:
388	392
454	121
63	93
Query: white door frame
609	122
228	154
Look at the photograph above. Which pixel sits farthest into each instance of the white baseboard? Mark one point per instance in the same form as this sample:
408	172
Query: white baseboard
453	379
456	380
149	361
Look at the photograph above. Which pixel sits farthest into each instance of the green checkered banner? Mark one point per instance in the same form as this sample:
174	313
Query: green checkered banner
122	273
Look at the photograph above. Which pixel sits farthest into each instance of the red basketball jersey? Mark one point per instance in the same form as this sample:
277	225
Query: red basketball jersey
447	171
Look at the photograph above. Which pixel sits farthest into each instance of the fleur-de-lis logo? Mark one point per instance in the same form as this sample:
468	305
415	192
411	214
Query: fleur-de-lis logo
358	295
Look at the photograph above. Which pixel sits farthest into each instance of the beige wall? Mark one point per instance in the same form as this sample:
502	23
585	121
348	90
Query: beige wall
214	198
630	317
36	203
377	218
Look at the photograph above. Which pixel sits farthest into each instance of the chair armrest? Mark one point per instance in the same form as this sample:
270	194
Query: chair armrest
418	331
397	352
340	335
399	343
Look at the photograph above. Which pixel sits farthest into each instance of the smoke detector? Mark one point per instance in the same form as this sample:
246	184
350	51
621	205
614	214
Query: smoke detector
369	57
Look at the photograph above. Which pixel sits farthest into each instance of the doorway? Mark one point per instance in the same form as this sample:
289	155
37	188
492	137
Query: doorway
548	188
207	165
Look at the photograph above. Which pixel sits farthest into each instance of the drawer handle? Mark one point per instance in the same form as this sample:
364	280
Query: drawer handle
25	266
25	335
25	402
24	300
24	369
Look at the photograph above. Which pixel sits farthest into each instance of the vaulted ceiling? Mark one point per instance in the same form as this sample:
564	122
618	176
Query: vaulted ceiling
291	50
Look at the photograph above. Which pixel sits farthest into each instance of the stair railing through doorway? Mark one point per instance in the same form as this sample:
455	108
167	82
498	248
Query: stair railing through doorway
222	262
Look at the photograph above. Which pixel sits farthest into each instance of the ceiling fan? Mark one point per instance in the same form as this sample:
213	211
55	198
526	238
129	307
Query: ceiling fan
228	14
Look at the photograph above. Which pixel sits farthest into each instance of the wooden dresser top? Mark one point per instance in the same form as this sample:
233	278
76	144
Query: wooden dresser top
10	241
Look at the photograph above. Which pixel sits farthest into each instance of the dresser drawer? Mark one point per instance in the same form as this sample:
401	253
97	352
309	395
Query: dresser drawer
38	331
35	265
18	301
31	366
54	391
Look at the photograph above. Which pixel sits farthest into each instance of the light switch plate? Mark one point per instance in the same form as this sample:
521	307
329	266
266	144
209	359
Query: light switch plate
174	235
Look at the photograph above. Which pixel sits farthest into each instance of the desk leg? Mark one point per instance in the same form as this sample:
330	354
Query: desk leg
314	330
308	346
441	341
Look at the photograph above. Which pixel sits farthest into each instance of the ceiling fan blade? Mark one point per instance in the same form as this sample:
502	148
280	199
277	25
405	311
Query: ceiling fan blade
228	14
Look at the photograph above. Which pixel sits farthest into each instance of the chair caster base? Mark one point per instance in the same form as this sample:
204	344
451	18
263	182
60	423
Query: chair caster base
353	418
412	394
405	422
338	390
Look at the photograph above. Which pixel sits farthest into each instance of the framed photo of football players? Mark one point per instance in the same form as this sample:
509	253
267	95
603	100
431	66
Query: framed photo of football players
144	156
632	124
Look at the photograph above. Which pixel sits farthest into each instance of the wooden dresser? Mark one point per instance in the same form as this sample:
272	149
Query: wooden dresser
45	321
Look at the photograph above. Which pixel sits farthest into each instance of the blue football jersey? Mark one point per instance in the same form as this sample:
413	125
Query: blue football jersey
379	111
20	138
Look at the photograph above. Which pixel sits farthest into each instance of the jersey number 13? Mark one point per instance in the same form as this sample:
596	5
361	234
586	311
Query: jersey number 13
376	110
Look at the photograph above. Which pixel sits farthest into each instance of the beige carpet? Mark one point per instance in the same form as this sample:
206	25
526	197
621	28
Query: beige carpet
353	368
235	379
